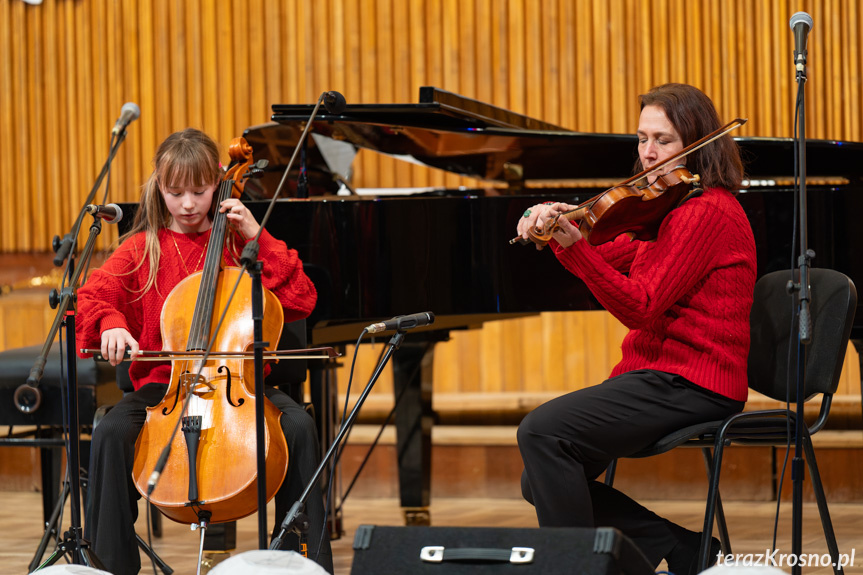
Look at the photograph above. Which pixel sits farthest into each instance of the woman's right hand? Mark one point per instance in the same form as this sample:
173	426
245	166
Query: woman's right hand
114	344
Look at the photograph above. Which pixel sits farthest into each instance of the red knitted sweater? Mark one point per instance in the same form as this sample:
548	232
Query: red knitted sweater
111	298
685	297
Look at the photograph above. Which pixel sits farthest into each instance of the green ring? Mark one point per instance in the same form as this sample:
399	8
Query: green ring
526	213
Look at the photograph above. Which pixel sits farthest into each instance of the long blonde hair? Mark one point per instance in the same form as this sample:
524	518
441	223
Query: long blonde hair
189	157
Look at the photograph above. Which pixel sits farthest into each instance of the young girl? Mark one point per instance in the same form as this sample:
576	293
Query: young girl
119	307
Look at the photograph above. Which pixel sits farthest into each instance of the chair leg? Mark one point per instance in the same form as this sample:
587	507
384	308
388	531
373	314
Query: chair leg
710	511
721	524
821	499
609	473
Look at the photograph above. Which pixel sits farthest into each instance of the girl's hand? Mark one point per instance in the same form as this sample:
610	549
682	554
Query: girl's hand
114	343
240	216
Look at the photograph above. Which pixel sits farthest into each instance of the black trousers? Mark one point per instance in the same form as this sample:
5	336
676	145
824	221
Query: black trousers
569	441
112	499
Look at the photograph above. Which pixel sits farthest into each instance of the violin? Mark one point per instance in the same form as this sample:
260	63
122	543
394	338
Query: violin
213	463
628	208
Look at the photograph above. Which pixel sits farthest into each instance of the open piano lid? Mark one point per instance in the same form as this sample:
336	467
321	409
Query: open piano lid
451	133
474	139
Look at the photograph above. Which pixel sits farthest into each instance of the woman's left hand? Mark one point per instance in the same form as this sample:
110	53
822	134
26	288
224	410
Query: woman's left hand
536	217
240	216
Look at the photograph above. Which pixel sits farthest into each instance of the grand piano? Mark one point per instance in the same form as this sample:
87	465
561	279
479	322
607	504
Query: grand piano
447	251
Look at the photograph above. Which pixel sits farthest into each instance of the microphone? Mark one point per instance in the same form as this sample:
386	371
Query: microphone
402	322
334	102
801	23
128	114
109	213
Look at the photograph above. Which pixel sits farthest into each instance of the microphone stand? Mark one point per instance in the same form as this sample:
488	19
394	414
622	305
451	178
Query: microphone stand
804	338
334	103
296	521
62	247
258	346
73	541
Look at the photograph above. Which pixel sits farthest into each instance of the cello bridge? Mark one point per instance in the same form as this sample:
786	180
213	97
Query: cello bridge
187	379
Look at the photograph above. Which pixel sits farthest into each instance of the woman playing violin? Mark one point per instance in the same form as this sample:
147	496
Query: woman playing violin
685	298
119	308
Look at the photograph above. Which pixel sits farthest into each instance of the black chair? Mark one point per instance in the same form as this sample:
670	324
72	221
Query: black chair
772	365
43	423
290	375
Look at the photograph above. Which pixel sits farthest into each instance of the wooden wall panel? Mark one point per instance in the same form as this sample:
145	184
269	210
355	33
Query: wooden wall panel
67	67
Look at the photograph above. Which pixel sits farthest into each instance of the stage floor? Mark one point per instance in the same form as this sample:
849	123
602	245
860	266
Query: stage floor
750	526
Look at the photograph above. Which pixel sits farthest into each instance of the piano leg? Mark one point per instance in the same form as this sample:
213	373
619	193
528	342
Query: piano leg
412	379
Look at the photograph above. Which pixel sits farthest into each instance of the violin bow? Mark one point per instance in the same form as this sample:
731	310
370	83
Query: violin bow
700	143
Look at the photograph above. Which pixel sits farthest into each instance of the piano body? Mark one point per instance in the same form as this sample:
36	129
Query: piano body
447	251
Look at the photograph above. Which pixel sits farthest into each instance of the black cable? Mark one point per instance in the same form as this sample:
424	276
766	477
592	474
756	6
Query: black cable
333	463
65	434
369	452
376	439
347	394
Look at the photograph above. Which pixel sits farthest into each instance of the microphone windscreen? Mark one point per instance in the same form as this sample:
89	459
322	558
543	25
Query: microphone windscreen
334	102
132	109
800	17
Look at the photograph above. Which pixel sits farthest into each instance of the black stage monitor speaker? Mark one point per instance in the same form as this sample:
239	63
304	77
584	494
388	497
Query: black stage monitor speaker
495	551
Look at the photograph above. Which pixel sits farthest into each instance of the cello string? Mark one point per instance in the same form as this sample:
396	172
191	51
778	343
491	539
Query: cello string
227	184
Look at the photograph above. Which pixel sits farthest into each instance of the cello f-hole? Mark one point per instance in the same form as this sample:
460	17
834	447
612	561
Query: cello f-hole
228	388
166	411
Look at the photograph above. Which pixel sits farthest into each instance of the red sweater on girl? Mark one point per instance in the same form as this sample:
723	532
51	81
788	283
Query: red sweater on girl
685	297
111	297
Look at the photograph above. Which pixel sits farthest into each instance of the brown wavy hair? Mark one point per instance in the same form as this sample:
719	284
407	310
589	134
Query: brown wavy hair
693	115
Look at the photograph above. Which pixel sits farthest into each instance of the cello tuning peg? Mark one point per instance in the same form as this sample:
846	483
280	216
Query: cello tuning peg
258	169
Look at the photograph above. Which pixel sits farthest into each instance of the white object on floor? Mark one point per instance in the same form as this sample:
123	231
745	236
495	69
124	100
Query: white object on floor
263	561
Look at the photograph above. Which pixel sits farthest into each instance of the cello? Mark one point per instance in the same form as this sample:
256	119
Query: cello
212	468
